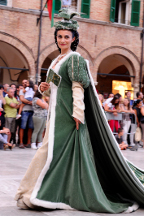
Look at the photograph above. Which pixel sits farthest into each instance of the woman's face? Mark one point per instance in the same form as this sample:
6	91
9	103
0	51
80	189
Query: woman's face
116	101
64	39
126	102
100	97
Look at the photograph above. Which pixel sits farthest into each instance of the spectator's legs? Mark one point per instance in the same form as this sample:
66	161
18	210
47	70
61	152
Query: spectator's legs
37	126
21	134
126	129
40	134
117	125
142	127
24	119
29	135
133	129
30	128
111	123
3	138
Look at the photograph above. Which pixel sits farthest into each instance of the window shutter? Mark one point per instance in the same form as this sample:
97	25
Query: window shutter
112	10
85	8
57	6
3	2
135	13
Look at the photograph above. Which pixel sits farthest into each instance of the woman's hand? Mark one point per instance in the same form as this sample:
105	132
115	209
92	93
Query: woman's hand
1	109
115	113
77	123
44	86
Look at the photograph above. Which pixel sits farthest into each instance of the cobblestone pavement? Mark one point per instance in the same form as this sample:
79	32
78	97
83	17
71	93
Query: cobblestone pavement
13	166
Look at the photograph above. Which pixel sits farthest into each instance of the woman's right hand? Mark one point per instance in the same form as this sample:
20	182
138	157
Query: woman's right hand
44	86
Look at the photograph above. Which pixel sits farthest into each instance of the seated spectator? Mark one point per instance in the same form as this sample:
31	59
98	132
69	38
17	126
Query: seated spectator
4	132
114	108
39	119
28	95
26	118
119	139
5	86
10	108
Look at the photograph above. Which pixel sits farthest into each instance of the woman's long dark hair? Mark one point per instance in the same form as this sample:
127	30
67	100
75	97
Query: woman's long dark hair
74	44
114	99
38	94
136	103
128	103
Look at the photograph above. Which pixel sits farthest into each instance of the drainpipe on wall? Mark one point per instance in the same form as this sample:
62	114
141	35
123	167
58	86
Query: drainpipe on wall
39	41
141	63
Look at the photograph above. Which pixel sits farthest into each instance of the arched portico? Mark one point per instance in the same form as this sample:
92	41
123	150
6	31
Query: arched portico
121	59
16	54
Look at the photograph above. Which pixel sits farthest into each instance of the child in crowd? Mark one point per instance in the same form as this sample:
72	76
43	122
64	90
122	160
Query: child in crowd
119	138
29	93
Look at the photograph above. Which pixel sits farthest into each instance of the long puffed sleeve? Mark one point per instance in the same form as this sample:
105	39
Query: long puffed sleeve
77	70
78	101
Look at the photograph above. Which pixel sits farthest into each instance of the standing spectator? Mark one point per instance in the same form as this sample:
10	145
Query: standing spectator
137	109
28	95
18	88
39	119
10	108
101	98
2	99
139	95
114	108
5	89
128	96
126	118
26	118
109	99
142	123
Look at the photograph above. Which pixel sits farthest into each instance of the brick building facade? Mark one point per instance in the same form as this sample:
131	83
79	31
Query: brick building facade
109	39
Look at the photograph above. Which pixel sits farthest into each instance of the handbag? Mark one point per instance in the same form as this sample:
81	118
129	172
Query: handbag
138	134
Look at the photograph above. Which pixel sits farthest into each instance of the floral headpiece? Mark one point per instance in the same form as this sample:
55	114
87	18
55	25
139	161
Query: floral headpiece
67	22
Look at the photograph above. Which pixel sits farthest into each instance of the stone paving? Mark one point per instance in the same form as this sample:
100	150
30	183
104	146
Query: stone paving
13	166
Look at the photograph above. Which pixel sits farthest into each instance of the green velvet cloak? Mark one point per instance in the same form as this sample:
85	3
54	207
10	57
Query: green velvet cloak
85	169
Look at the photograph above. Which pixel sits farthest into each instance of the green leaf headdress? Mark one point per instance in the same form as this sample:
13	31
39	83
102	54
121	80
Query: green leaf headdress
67	22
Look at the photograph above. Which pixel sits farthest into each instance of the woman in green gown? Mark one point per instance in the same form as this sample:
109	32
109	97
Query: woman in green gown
79	165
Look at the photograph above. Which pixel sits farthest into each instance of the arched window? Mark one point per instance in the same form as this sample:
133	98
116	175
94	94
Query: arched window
3	2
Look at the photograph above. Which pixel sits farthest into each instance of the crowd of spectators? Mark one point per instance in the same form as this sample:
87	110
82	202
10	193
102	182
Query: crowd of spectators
132	112
23	113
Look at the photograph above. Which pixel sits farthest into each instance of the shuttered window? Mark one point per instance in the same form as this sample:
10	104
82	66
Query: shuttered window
85	8
3	2
112	10
135	14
